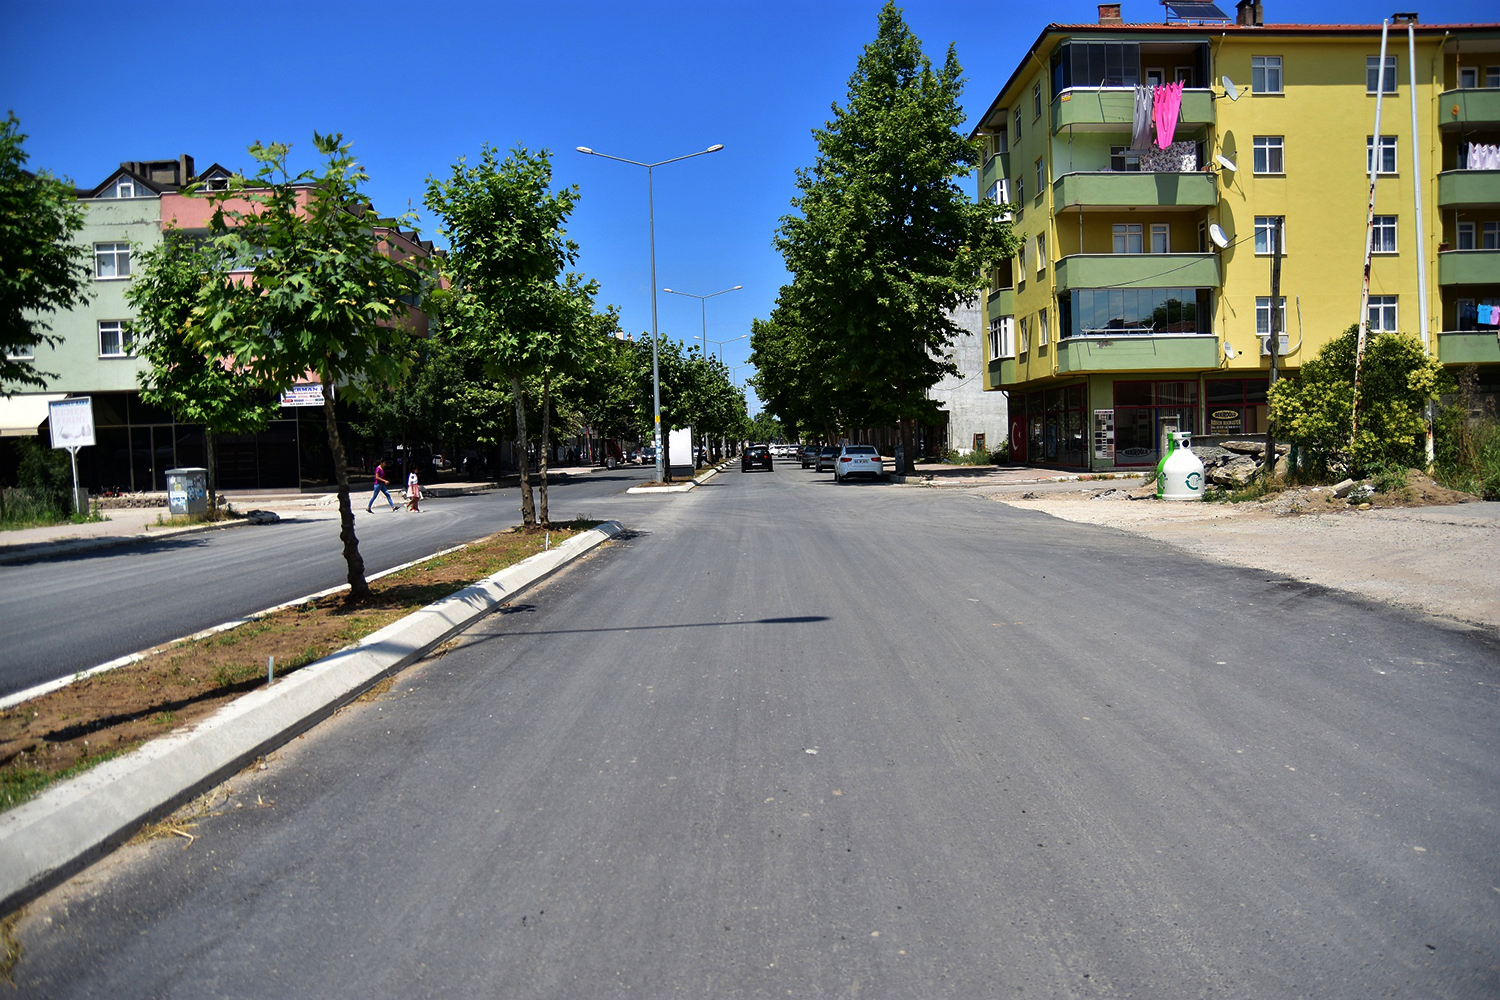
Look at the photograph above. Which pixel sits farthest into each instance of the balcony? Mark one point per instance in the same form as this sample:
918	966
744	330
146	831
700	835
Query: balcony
1138	352
999	303
1468	267
1468	188
1121	189
1001	372
1469	347
1458	109
996	168
1139	270
1102	109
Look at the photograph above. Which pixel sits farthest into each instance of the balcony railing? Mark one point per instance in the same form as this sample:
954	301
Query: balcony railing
1121	189
1468	188
1460	108
1469	267
1138	270
1115	106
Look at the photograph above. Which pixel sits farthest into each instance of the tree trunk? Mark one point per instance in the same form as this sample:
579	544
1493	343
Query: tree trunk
213	475
908	442
666	455
545	519
359	590
528	504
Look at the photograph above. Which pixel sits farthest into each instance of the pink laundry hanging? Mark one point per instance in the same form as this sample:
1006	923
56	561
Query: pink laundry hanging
1168	106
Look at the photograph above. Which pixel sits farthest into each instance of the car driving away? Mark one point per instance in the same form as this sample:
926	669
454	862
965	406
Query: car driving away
828	457
858	460
810	455
757	456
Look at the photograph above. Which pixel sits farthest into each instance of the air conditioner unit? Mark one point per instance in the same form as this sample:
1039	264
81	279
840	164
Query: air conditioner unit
1281	345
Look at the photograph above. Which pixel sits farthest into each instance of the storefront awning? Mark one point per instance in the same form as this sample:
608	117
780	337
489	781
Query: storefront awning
21	415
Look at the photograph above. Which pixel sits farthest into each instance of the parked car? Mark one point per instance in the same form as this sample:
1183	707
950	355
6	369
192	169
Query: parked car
648	455
828	457
858	460
810	455
757	456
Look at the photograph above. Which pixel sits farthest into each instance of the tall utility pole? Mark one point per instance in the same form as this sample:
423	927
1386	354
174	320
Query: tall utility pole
1268	460
1364	298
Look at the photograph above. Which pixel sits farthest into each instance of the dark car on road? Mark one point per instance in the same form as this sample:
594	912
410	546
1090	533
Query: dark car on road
757	456
828	457
810	455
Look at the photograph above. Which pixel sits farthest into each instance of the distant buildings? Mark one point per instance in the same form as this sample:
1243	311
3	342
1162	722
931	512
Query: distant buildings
1141	297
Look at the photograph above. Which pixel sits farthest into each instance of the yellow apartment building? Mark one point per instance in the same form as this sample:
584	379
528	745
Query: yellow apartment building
1141	299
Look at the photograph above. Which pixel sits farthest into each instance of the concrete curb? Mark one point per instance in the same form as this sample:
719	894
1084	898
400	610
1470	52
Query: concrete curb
66	546
679	487
68	827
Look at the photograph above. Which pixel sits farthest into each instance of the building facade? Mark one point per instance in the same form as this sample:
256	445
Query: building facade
1141	299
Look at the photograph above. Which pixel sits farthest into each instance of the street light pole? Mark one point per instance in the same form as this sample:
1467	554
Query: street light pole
651	215
703	302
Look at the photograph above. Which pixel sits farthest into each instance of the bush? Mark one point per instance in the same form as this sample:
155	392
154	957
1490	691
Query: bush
43	494
1468	441
1397	380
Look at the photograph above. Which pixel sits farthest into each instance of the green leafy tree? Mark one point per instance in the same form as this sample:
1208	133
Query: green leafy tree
765	427
318	294
41	269
886	243
508	253
1398	378
172	281
564	351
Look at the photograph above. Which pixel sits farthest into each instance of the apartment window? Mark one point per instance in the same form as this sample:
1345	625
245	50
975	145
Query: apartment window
1466	236
1161	238
1491	236
1041	328
111	260
1018	125
1021	262
1372	74
1265	234
115	338
122	188
1383	235
1468	77
28	353
1387	164
1122	159
1128	237
1492	76
1041	177
999	143
1025	344
1002	337
1020	193
1041	252
1265	74
1036	101
1263	315
1382	314
1269	154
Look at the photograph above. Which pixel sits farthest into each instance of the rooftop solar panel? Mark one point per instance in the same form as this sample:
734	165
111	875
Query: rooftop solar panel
1195	10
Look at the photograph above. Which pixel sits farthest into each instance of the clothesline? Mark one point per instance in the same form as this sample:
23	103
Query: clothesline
1159	105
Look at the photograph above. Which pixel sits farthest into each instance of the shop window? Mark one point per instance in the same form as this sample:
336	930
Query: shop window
1143	410
1233	406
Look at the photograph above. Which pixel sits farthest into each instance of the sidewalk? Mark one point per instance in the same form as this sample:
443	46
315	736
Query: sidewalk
969	476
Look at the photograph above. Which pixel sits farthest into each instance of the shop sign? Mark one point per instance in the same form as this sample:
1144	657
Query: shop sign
1104	435
303	395
1226	421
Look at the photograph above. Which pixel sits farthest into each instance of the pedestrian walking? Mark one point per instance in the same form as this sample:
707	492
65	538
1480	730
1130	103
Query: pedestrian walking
382	485
413	492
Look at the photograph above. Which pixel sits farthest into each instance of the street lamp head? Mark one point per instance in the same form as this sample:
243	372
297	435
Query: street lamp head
714	148
736	288
584	149
670	290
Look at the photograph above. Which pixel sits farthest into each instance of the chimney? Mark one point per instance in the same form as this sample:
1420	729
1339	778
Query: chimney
1249	14
1109	13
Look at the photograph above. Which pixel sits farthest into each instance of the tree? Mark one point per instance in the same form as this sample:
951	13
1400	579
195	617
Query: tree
41	269
886	243
317	294
1398	378
508	252
196	388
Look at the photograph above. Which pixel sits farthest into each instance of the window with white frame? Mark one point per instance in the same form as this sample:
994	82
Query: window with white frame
1466	236
1383	234
1270	154
1491	239
1263	315
1041	176
1041	252
1021	265
1265	234
124	187
1382	314
1020	193
1372	74
1025	342
1468	77
111	260
1018	125
115	338
1492	76
1002	337
1127	237
1161	237
21	353
1036	101
1265	74
1121	158
1041	328
1387	163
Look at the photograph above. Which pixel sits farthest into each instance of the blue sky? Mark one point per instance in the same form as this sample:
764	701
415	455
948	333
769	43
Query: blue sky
415	86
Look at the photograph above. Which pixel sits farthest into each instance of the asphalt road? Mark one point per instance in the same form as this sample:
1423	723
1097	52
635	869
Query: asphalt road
795	739
59	616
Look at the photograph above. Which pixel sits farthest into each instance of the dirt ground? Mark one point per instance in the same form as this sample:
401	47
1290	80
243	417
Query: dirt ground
113	712
1427	548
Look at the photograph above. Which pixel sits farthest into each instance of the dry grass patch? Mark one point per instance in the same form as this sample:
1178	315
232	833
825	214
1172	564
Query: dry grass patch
71	730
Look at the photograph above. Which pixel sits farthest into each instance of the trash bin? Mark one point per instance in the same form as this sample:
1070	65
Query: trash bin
187	491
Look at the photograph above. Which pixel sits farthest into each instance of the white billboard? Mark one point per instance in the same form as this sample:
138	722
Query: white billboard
72	422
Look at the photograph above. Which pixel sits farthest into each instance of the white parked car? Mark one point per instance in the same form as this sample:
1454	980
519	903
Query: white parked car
858	460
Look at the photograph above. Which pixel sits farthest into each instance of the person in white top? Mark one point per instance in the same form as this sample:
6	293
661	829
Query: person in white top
413	492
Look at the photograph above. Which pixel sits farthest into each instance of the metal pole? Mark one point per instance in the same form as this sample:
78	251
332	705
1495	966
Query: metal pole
655	369
1364	298
1416	181
1268	460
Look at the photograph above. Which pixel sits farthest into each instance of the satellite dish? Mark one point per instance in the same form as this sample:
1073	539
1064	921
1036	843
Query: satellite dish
1230	353
1225	162
1216	233
1230	90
